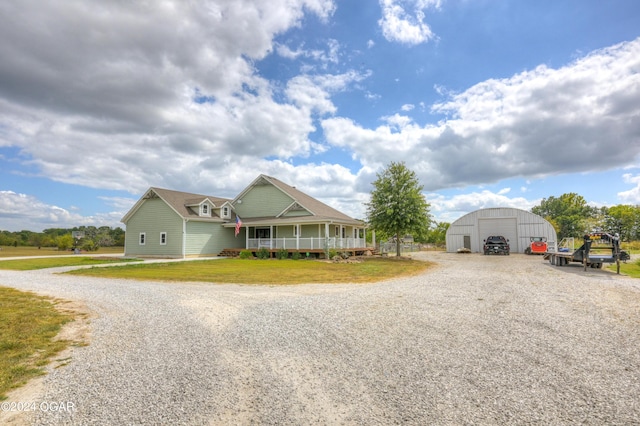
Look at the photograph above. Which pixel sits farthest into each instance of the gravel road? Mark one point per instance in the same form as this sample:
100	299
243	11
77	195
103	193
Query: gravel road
475	340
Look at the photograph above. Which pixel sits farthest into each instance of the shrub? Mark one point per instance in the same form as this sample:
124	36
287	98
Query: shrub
282	254
332	253
296	255
246	254
90	245
262	253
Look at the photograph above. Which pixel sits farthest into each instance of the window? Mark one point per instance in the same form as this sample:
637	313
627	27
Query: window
337	231
225	212
143	238
163	238
295	230
205	210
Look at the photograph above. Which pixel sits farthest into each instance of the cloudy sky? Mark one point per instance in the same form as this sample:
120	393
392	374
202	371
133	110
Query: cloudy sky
491	103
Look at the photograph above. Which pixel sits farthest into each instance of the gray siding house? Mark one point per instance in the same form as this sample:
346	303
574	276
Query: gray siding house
268	213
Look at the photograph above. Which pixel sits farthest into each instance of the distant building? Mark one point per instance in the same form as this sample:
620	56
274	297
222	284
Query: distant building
518	226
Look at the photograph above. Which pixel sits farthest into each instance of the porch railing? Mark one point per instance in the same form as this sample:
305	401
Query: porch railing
313	243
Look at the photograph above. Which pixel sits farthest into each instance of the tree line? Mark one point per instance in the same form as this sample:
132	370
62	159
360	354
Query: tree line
571	216
62	238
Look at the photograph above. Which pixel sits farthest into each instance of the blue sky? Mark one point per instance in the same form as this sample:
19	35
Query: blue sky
492	103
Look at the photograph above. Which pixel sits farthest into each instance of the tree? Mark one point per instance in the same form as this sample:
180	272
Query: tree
397	205
64	242
624	220
437	234
568	213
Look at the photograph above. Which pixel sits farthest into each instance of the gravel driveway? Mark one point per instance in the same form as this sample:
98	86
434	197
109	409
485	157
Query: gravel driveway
475	340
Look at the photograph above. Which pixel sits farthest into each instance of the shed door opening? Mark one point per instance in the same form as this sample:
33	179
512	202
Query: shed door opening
466	241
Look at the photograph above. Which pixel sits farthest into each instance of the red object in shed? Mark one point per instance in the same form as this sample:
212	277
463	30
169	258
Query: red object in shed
538	245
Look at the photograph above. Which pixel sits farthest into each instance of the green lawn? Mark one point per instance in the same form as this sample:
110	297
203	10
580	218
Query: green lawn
28	325
54	262
631	269
10	251
264	271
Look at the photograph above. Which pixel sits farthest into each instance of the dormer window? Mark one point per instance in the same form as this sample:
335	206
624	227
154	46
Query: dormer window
226	212
205	210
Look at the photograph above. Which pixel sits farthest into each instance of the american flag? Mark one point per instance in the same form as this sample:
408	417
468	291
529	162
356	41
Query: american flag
238	225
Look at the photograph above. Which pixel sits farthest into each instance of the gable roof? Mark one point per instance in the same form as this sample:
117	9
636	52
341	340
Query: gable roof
179	202
318	209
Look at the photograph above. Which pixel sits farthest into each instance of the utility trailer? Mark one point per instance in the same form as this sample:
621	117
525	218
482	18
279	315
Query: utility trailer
598	248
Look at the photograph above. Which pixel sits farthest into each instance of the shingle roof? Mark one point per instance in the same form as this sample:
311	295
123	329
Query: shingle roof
319	209
180	200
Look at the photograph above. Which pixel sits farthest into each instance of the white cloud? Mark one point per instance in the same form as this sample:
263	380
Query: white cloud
21	211
403	20
313	93
631	196
324	57
448	209
578	118
128	95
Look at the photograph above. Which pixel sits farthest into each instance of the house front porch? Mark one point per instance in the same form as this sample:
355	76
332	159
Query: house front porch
308	246
305	243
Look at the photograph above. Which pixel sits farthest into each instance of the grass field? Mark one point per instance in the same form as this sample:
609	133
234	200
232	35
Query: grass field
28	325
55	262
264	271
631	269
10	251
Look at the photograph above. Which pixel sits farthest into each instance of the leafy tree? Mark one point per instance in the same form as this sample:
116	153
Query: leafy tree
624	220
438	234
397	205
65	242
568	213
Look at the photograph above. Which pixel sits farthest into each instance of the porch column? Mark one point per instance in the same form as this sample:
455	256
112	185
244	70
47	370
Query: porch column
184	239
246	237
271	236
298	229
326	234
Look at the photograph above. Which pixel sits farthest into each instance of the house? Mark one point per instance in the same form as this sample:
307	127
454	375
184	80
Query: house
267	214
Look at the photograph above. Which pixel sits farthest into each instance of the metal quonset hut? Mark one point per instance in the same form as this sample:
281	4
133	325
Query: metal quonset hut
514	224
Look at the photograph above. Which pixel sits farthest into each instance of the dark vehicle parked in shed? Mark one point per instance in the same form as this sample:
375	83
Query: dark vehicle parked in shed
496	244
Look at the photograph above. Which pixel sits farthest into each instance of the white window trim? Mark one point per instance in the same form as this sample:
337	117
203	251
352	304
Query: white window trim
295	230
163	235
205	210
226	212
142	238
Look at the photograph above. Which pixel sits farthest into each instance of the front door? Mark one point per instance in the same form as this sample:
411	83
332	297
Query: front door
263	232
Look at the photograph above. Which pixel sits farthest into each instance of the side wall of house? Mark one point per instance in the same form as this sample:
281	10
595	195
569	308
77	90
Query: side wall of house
262	201
153	218
209	239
